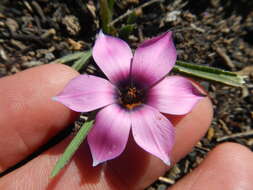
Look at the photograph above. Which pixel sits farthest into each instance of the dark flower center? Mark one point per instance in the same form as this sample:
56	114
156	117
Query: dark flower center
131	97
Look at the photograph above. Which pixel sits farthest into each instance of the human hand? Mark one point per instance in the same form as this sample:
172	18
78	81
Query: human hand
29	118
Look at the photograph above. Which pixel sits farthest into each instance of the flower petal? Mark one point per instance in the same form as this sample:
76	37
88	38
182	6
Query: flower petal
113	56
153	132
154	58
86	93
174	95
108	137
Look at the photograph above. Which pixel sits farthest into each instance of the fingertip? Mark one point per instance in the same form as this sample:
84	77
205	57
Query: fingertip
231	151
27	97
229	165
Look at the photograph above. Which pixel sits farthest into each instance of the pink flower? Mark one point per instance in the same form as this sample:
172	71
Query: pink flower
136	95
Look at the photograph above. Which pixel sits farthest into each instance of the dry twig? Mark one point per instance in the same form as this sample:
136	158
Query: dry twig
166	180
129	12
225	57
235	136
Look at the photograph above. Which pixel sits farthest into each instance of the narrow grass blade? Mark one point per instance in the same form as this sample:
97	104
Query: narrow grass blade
70	57
111	4
106	15
209	73
131	19
82	60
72	147
126	30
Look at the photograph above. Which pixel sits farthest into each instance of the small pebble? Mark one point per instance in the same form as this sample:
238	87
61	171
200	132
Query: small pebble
162	187
72	24
49	56
32	64
12	24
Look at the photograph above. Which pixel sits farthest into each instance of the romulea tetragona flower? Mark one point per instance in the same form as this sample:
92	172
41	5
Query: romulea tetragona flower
133	99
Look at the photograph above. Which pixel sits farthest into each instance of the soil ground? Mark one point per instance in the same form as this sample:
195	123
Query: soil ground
217	33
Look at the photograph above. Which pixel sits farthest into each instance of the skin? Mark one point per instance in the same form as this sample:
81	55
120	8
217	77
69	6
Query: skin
29	118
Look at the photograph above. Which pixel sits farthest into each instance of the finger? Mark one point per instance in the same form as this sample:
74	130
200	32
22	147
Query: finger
28	116
229	166
134	169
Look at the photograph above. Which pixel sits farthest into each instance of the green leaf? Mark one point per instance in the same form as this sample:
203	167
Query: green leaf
131	19
126	30
106	15
111	4
72	147
82	60
70	57
209	73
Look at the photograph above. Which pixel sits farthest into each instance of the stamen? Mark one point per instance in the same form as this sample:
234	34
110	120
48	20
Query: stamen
132	92
131	97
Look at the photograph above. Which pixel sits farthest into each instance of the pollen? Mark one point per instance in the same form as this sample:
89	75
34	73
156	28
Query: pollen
132	106
131	97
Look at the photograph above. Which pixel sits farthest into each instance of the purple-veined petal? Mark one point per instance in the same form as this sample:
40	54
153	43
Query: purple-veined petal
108	137
154	59
174	95
153	132
113	56
86	93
